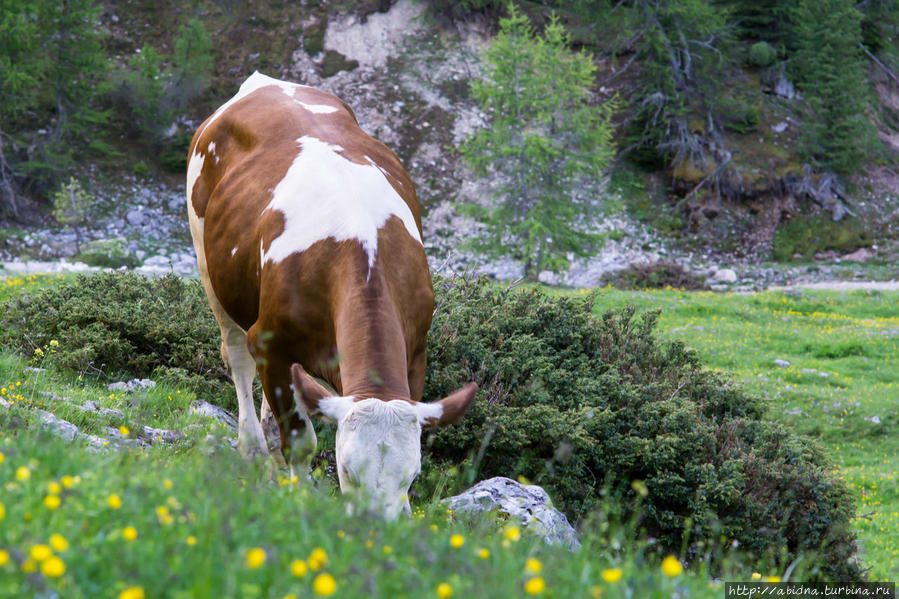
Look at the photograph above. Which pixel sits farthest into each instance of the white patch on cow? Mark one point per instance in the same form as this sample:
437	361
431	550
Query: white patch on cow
194	168
378	448
318	108
212	148
335	408
255	81
428	413
234	250
324	195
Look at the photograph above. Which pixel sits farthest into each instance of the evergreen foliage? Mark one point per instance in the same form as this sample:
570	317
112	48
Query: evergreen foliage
72	205
152	94
545	144
830	70
52	73
682	59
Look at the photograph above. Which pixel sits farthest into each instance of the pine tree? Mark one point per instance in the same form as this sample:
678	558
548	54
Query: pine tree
545	144
52	69
830	70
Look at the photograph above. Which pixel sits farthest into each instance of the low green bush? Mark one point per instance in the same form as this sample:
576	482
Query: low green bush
762	54
119	324
107	253
656	275
805	236
592	409
583	406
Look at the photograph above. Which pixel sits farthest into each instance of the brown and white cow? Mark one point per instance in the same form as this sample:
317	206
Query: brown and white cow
308	238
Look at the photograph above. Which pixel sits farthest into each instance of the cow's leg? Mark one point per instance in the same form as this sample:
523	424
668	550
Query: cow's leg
298	440
271	431
250	438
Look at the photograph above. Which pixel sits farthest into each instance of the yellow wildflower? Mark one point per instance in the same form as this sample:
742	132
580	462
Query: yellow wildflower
255	557
191	540
29	566
114	501
324	585
4	557
444	590
2	511
298	568
671	566
535	586
129	533
533	565
318	559
2	457
772	579
132	593
23	473
58	542
483	553
167	483
52	502
40	552
512	533
124	430
756	576
457	541
67	481
53	567
612	574
54	487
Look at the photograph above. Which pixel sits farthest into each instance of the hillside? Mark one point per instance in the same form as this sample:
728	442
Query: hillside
735	184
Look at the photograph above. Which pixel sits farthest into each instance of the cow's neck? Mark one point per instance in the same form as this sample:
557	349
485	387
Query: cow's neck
371	346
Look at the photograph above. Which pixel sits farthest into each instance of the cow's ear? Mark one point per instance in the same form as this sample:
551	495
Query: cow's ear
306	389
315	399
448	410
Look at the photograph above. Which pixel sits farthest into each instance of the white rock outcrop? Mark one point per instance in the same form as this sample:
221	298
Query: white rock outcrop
529	504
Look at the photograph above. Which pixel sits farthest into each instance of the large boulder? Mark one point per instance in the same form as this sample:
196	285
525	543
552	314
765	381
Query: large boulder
529	504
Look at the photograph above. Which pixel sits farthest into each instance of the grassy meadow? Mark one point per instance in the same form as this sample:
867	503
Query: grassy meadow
841	385
190	519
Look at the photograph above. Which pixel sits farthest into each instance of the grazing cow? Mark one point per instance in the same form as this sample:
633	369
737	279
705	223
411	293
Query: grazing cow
308	239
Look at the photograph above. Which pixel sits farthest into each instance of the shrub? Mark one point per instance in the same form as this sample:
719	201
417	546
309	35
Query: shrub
580	405
808	235
123	325
656	275
108	253
762	54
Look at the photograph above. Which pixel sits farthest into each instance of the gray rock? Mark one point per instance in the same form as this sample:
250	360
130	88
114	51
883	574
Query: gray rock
132	385
136	217
157	435
57	426
860	255
725	275
204	408
529	504
781	363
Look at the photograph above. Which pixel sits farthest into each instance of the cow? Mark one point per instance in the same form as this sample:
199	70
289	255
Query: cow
309	245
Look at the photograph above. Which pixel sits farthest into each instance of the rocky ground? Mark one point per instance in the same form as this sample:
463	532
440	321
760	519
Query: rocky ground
408	88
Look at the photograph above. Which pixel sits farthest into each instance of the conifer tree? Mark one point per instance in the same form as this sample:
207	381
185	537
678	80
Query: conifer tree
545	144
830	69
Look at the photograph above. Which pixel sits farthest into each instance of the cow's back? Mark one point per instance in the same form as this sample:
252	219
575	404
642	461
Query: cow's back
297	204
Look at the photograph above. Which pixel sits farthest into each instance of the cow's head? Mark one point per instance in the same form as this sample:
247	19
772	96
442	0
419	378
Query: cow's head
378	442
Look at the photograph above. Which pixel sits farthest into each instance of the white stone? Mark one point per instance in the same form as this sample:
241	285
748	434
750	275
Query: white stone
529	504
725	275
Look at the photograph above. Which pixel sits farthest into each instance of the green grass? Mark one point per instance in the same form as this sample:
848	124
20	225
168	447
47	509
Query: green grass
843	350
201	513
